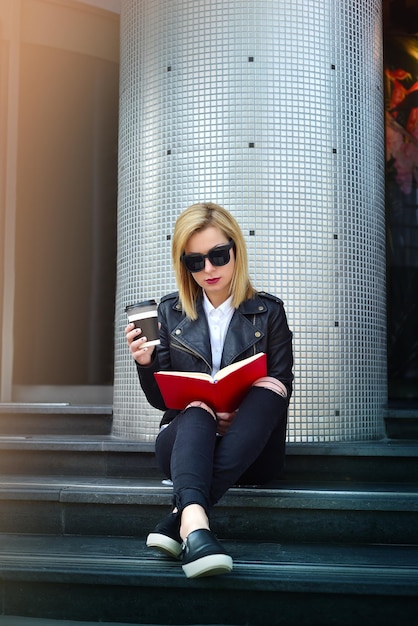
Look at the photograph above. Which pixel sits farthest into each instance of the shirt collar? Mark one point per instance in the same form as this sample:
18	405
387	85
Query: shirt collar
223	309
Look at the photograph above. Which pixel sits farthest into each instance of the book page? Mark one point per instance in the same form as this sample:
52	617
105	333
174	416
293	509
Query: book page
193	375
225	371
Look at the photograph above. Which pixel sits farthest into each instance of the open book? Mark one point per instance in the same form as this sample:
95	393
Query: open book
223	393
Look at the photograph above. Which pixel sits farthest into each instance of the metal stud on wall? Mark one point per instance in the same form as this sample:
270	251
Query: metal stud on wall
272	108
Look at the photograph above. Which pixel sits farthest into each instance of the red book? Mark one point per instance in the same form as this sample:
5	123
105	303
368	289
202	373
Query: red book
224	392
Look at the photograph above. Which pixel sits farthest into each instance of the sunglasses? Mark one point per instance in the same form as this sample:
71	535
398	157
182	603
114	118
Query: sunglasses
218	256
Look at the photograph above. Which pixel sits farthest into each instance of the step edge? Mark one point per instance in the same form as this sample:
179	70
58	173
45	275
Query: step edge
349	579
56	408
236	497
108	443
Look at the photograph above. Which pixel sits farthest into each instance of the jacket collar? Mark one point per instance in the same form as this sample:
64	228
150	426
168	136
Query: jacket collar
248	307
242	332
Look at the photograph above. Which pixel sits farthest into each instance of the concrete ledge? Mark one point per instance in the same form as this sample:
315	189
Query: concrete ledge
103	580
338	512
101	455
280	494
382	447
56	408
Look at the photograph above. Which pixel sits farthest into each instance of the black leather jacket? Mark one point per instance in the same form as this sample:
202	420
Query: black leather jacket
258	325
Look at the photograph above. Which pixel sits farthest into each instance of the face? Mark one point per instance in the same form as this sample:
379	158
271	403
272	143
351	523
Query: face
215	281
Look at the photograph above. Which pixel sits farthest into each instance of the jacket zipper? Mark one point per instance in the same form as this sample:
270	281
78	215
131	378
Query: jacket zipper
179	346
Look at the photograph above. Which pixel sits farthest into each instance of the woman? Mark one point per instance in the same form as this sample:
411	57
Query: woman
216	318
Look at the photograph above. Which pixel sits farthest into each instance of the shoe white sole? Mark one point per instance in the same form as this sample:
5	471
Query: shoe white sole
164	544
211	565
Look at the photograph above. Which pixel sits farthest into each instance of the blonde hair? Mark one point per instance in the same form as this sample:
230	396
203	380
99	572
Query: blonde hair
196	218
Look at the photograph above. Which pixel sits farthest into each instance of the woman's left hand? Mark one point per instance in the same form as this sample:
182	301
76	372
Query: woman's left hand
224	421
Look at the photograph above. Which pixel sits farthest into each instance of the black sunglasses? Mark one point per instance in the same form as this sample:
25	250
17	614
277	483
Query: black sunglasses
218	256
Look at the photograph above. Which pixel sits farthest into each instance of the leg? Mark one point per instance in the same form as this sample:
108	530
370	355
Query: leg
270	464
261	416
185	452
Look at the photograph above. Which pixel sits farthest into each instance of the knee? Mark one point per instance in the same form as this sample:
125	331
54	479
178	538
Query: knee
269	382
201	405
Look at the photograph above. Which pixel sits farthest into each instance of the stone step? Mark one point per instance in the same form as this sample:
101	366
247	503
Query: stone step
104	455
19	620
402	423
118	579
93	455
55	419
336	513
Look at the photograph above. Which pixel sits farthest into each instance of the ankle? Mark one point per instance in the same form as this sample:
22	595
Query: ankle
193	517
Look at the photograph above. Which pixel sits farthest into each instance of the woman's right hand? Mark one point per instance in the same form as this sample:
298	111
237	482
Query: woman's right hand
143	356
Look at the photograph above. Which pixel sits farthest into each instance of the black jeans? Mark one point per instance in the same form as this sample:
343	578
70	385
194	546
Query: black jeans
203	466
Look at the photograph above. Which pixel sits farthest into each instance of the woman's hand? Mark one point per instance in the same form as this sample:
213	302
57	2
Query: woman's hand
224	422
143	356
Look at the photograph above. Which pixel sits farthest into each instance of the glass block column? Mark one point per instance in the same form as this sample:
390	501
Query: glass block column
273	109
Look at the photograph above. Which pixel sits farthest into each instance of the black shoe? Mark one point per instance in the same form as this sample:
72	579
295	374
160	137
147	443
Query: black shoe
203	555
166	536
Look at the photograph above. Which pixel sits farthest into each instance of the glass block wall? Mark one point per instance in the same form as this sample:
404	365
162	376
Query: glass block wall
273	109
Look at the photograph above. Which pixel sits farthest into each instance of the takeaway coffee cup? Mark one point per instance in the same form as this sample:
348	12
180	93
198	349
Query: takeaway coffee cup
144	316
